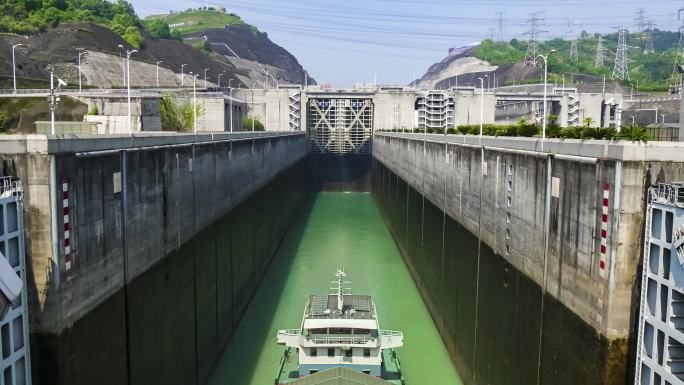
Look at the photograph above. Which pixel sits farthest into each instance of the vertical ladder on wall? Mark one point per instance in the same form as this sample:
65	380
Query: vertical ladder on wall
644	287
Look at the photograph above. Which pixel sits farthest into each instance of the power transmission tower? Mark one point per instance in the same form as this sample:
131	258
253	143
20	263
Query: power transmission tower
621	70
648	36
640	19
499	36
600	52
574	55
680	48
533	43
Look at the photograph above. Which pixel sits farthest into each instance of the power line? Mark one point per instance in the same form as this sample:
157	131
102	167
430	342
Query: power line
621	70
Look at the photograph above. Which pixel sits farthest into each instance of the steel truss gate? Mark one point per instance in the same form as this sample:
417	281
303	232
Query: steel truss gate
15	365
340	126
660	339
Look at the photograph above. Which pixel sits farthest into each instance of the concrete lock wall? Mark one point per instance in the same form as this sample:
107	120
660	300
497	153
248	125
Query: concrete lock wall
168	236
500	291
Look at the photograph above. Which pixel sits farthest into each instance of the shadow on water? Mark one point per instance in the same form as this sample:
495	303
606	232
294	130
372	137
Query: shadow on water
254	330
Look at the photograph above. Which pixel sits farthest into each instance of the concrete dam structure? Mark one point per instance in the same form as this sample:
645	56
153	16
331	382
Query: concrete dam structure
146	253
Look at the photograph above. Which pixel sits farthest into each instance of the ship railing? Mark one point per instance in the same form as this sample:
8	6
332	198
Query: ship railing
391	333
341	340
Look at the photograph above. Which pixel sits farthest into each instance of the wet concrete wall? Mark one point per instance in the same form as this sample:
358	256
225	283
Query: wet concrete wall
147	222
512	303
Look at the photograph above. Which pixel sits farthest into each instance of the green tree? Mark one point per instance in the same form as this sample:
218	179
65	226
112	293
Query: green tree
159	29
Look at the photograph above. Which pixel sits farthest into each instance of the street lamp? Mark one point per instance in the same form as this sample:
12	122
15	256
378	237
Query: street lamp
14	67
482	105
128	84
80	54
182	80
159	62
544	115
230	94
194	103
53	99
219	78
205	77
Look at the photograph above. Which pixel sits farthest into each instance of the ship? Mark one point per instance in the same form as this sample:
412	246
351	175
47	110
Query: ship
340	338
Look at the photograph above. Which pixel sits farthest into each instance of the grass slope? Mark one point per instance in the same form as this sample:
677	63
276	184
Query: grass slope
200	20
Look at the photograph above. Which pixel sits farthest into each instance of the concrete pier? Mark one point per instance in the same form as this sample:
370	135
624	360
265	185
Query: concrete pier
566	222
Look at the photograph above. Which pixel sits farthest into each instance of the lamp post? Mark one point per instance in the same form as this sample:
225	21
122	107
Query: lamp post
205	77
14	67
219	78
182	79
128	83
230	94
544	114
194	103
159	62
80	54
482	105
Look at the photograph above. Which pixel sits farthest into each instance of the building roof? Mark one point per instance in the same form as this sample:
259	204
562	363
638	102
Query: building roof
339	376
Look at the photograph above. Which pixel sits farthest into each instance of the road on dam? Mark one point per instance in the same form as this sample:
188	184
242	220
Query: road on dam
336	229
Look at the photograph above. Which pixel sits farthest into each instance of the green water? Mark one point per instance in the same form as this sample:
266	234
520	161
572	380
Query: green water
340	229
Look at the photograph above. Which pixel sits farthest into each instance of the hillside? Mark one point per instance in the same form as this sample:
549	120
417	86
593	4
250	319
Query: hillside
57	47
653	72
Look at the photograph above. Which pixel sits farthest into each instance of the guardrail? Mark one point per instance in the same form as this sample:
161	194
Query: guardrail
341	340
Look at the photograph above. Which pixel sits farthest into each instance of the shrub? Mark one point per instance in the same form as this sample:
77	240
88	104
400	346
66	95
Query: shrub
93	110
571	133
527	129
247	124
634	134
169	112
190	115
452	131
597	133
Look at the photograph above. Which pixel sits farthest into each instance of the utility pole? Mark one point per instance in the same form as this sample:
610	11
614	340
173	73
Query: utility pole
499	35
600	52
533	43
621	70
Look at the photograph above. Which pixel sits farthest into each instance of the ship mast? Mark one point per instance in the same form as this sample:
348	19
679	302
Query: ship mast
340	299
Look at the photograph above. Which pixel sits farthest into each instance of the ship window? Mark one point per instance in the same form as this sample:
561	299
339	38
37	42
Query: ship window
340	331
314	352
318	331
331	352
313	371
348	352
366	372
362	331
366	352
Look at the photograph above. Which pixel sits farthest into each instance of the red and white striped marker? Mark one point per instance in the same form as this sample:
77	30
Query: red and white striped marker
604	230
67	225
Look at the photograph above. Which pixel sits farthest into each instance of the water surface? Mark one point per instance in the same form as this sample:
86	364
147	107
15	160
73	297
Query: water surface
340	229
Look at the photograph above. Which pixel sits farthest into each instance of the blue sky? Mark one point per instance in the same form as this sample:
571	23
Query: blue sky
346	42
